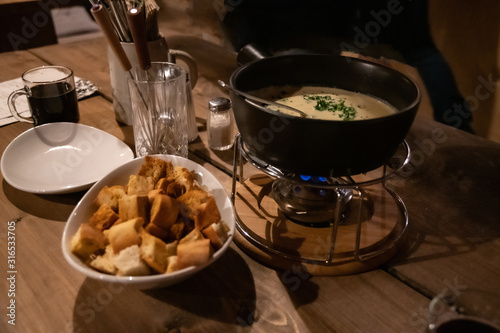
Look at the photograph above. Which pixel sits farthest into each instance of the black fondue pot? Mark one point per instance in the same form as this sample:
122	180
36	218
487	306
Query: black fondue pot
323	147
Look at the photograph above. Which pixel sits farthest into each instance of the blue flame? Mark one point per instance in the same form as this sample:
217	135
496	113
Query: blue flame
313	179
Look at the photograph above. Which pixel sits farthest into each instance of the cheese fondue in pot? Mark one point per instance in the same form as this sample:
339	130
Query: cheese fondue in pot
327	103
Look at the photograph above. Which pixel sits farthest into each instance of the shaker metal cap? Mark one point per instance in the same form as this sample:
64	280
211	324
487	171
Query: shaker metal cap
219	104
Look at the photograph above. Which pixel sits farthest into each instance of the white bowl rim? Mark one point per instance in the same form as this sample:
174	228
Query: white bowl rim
155	279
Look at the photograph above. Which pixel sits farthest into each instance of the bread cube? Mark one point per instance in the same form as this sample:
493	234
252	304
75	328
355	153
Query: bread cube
217	233
206	214
104	217
194	235
172	264
140	185
155	252
132	206
153	193
155	168
156	231
190	201
125	234
193	253
104	262
164	211
110	196
178	229
129	262
87	240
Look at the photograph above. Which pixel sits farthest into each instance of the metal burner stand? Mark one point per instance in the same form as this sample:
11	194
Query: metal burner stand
362	259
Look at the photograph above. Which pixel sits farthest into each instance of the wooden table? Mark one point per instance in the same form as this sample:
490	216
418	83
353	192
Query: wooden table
452	191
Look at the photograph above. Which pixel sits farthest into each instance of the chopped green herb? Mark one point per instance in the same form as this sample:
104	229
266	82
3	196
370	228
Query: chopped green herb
327	103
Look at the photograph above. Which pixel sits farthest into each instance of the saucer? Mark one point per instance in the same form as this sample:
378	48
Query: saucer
61	158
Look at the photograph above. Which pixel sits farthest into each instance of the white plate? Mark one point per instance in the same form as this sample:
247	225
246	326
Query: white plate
86	207
61	158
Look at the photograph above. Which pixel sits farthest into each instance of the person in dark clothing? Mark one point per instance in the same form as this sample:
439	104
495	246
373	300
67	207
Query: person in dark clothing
399	27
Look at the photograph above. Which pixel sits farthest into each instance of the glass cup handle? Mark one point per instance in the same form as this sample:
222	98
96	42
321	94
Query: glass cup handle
12	105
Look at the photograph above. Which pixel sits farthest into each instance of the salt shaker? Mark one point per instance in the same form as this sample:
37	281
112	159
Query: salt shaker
220	124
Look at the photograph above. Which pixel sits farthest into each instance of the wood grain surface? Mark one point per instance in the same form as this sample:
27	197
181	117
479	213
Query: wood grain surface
451	190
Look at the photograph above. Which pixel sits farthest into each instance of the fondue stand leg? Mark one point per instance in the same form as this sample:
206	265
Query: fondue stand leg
358	228
237	162
361	194
336	223
235	165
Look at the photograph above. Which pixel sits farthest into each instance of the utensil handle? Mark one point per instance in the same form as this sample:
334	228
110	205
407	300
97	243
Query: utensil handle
137	25
104	22
266	109
252	99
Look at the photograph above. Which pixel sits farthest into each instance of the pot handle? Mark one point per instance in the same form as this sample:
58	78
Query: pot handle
251	52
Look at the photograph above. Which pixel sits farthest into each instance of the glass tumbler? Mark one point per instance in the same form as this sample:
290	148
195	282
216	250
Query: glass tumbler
158	98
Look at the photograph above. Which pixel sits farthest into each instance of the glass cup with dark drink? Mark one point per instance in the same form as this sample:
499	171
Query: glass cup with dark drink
465	311
51	95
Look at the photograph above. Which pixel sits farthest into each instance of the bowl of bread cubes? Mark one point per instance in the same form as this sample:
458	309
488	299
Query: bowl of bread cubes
150	223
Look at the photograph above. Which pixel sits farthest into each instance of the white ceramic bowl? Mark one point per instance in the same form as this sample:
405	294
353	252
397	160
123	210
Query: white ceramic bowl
86	207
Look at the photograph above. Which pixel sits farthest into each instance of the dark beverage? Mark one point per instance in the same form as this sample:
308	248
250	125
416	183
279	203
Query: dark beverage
464	325
51	103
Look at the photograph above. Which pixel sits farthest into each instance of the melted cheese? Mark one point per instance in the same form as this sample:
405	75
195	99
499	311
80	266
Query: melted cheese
305	99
